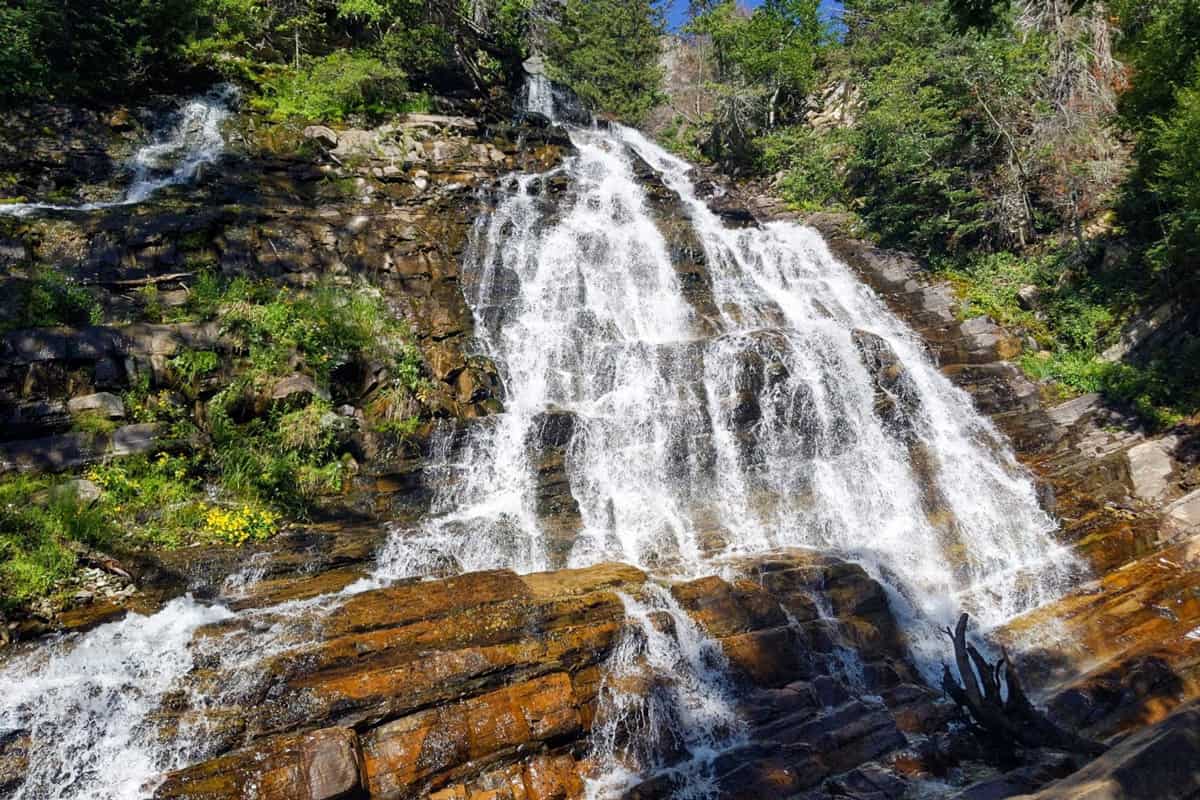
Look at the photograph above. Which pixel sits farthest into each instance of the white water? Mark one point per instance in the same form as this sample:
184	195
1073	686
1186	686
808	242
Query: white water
191	140
87	704
666	706
582	311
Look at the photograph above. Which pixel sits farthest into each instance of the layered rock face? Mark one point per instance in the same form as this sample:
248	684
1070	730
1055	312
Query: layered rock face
391	207
491	685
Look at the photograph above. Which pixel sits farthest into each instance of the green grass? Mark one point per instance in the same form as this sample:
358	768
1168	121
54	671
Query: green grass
1079	313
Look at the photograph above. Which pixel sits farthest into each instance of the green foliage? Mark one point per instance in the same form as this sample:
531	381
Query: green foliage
157	502
325	327
145	502
810	166
33	556
765	64
334	86
607	51
49	299
286	459
403	427
192	365
289	458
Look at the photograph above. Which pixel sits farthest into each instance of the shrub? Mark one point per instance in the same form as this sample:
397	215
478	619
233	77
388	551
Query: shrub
48	299
333	87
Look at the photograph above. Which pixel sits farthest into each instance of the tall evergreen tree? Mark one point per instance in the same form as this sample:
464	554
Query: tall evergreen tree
608	51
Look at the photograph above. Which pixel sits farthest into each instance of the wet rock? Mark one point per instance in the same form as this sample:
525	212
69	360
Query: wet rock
1182	517
322	765
404	758
14	759
895	398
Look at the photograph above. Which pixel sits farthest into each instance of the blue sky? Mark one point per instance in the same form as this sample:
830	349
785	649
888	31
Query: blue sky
677	9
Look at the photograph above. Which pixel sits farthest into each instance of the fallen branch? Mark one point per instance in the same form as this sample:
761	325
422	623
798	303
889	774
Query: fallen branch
1008	716
174	276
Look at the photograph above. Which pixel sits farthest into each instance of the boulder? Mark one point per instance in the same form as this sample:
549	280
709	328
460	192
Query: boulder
1028	297
104	404
1151	467
297	390
322	134
76	490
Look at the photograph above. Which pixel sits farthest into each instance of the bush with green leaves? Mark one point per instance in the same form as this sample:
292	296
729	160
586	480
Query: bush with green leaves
48	298
333	87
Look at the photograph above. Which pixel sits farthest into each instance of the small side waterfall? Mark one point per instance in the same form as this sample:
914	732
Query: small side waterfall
190	140
666	706
88	704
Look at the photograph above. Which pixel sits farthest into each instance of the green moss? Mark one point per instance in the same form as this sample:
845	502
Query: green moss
95	423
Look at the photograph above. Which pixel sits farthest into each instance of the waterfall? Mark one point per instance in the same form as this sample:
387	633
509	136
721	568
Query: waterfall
87	703
190	140
785	408
697	437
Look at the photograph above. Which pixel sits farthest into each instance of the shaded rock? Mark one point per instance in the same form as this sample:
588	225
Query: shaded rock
31	419
297	390
71	450
1046	766
1158	763
1029	297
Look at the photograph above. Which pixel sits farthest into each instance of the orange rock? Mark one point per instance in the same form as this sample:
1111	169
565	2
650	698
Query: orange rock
321	765
405	755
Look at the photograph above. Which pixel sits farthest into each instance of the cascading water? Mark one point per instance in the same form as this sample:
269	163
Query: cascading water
666	705
690	445
190	140
86	704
